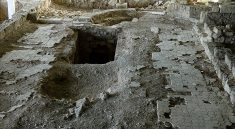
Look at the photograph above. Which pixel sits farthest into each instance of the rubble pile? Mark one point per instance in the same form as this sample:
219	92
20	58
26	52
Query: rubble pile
223	34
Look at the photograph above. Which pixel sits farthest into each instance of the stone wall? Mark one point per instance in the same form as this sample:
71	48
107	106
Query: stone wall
186	11
217	19
104	3
19	18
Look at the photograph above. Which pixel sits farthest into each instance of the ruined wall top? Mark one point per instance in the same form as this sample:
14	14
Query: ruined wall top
199	1
105	3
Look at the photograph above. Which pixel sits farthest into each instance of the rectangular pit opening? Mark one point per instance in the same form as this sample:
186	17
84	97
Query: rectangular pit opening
92	49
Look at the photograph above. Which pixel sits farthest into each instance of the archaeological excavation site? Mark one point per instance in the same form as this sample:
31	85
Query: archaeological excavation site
117	64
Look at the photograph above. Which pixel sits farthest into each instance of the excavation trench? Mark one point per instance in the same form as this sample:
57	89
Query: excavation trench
93	69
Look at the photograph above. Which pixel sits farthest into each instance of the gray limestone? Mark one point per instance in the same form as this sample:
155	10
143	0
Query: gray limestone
202	108
160	76
81	105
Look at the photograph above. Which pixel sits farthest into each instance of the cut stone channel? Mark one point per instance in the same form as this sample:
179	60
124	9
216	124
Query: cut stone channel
91	49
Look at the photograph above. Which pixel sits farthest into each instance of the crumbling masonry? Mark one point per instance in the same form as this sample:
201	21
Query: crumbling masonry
117	64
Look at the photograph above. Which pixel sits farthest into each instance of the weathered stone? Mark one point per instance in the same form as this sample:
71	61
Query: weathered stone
113	2
228	26
81	105
219	39
135	20
228	59
217	31
2	116
229	34
155	30
138	67
215	8
103	96
122	1
121	6
227	8
135	84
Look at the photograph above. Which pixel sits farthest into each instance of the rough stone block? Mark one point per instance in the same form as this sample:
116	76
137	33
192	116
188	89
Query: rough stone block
227	8
113	2
122	1
227	87
220	39
178	10
228	59
219	53
216	19
195	11
233	70
135	20
229	33
155	30
217	30
215	8
202	16
207	29
232	90
81	105
121	6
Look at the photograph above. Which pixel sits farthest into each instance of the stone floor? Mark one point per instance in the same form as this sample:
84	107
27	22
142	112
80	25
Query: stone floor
195	99
160	79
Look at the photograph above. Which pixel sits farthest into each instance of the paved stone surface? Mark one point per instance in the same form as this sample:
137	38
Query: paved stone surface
20	69
192	103
33	58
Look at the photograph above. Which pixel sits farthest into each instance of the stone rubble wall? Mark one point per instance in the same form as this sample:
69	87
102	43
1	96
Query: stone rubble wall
20	17
216	18
216	30
222	59
215	25
218	13
221	25
223	34
90	4
186	11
